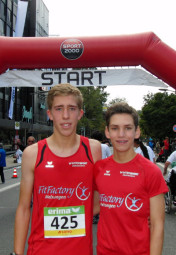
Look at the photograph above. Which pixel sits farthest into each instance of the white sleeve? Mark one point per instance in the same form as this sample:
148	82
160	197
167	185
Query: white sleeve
108	151
139	151
172	157
151	154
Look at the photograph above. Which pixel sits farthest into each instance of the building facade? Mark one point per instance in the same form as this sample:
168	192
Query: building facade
8	15
23	109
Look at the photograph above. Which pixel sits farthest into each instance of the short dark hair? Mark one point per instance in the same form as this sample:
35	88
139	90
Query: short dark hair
120	108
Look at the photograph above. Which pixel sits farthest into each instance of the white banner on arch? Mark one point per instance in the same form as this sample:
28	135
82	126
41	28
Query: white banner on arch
83	77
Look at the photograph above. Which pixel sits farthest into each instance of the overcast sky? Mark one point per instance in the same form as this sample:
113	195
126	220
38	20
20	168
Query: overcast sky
115	17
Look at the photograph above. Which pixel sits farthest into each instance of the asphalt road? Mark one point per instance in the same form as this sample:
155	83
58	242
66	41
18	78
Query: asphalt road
9	193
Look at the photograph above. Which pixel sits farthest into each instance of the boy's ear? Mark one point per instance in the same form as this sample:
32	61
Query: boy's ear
49	115
138	133
107	132
80	114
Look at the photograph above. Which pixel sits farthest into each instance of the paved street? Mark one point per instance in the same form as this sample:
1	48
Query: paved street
9	193
10	162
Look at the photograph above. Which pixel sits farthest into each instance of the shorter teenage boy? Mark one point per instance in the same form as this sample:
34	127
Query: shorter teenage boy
130	189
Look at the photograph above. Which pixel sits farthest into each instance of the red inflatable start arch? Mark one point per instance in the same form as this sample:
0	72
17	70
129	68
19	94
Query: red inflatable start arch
144	49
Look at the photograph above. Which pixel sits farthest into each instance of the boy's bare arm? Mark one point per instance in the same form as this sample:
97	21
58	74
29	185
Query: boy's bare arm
95	149
96	204
157	217
23	212
167	163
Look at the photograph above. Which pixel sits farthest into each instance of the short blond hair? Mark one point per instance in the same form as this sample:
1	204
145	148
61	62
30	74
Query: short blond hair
65	89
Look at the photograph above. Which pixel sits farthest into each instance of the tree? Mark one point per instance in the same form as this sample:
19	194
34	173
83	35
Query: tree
158	115
117	100
94	99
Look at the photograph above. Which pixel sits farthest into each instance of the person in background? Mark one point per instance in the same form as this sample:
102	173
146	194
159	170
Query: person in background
151	143
171	177
106	152
18	155
20	145
158	147
173	145
58	172
2	162
161	156
106	141
171	160
145	151
30	140
166	147
128	189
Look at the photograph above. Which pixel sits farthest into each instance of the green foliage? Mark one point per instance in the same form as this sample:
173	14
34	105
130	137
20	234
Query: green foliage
94	99
158	115
117	100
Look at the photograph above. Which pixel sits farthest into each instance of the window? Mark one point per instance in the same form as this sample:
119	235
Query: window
14	9
2	30
9	20
9	4
8	31
14	22
2	10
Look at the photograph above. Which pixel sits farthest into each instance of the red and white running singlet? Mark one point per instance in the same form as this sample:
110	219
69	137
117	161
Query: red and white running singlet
62	202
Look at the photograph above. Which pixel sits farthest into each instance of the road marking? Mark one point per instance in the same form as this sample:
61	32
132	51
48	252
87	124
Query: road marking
11	168
10	187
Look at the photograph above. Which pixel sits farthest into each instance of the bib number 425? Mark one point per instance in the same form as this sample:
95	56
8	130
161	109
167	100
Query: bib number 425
64	222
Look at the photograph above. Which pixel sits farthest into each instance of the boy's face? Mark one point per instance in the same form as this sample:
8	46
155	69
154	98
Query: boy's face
65	114
122	132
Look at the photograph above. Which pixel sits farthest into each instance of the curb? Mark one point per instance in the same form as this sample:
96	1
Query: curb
11	167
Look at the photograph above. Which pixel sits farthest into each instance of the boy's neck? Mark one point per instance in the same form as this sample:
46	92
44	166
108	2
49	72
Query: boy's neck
65	146
124	157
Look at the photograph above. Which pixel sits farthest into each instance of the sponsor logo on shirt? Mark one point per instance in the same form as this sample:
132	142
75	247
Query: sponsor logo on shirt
61	211
128	174
107	173
78	164
82	192
133	203
51	192
110	201
60	192
49	164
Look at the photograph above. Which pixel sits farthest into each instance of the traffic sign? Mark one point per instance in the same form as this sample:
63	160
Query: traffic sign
17	125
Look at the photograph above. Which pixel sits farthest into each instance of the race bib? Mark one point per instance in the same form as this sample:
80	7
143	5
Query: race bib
62	222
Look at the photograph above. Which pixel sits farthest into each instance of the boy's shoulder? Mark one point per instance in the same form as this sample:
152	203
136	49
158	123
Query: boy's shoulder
95	147
147	166
105	161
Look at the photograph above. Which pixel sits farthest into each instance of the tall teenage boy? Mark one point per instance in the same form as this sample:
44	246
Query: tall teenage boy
58	172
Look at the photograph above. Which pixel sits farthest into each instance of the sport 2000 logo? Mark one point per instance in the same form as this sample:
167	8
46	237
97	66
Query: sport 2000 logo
72	49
